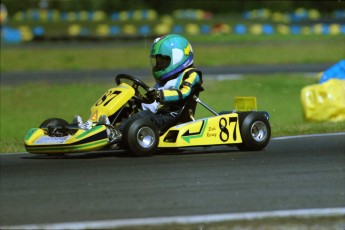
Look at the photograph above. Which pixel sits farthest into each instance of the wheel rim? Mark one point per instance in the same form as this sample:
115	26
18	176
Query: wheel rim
259	131
145	137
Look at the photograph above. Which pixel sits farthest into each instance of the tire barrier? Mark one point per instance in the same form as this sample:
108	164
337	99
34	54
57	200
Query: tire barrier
41	15
325	101
299	14
37	24
336	71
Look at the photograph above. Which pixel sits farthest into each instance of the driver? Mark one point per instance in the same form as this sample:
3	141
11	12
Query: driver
176	78
172	68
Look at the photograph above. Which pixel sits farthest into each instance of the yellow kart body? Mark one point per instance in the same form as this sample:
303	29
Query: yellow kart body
38	140
218	130
247	130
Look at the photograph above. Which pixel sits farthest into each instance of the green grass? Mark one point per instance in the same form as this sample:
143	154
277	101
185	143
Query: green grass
279	94
208	51
26	106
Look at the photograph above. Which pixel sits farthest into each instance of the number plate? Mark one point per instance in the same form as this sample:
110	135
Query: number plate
245	104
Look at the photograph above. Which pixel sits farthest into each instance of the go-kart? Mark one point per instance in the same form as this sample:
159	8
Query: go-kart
247	130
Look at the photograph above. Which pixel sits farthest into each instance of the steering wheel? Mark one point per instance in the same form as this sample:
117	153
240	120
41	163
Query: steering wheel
137	85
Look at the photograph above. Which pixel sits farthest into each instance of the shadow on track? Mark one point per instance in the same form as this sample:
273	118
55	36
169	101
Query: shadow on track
124	154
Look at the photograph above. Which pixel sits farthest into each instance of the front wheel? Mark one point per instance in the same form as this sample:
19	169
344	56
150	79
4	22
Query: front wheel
255	131
141	138
52	122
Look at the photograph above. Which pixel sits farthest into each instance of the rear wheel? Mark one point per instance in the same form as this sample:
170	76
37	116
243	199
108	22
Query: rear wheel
255	131
140	138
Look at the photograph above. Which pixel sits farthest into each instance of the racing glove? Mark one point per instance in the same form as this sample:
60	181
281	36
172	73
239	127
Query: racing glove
153	94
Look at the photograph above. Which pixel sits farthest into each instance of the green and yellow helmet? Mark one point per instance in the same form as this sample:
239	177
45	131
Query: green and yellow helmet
169	55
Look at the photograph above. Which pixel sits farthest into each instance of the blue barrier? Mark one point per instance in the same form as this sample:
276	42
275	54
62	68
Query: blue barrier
144	30
240	29
289	23
63	16
11	35
295	29
336	71
115	30
205	29
38	31
115	16
193	14
178	29
219	28
268	29
339	14
84	32
299	14
55	15
342	29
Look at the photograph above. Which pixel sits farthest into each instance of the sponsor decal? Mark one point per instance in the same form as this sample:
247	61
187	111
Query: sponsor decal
52	140
187	136
94	116
159	38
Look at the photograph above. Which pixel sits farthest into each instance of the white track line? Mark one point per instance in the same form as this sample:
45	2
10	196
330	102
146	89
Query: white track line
274	138
309	135
198	219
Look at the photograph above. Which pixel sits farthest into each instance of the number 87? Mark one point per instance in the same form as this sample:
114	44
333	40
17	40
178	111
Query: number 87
224	132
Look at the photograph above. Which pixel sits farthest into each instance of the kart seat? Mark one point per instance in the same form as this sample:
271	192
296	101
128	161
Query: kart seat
187	111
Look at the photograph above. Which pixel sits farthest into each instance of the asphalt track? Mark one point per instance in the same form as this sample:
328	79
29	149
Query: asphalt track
299	173
303	172
144	74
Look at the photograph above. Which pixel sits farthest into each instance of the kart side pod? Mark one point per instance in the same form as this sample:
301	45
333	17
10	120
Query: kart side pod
248	130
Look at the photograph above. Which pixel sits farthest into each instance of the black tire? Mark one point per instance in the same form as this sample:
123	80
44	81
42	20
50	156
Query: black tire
52	122
140	138
255	131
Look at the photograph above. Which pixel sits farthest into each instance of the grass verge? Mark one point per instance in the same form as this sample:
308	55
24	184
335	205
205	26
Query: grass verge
217	51
26	106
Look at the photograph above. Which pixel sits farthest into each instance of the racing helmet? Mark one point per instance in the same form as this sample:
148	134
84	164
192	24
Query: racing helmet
169	55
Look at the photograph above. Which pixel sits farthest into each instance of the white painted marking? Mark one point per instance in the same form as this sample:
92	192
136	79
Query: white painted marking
309	135
274	138
199	219
224	77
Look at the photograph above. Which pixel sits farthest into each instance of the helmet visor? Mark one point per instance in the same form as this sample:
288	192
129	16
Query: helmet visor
159	62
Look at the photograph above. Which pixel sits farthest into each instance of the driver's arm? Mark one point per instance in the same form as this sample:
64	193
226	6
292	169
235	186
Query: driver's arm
182	90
